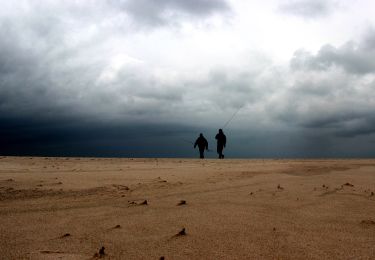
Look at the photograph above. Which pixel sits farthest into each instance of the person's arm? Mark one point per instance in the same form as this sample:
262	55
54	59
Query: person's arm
206	145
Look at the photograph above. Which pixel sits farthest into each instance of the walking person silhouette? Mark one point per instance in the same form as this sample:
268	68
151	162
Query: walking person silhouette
202	144
221	142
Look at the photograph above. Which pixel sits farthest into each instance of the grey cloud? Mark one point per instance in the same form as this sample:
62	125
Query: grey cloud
231	88
331	91
45	74
163	12
52	97
330	101
356	58
368	43
361	127
307	8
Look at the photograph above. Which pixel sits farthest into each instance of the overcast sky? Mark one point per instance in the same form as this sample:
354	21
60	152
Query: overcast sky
145	77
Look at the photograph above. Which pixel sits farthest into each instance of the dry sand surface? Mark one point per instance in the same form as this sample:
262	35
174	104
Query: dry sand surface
69	208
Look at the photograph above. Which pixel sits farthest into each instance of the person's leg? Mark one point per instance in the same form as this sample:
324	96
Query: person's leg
201	153
220	151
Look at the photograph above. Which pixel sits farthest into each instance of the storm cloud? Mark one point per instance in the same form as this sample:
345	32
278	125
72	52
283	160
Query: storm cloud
332	89
355	58
136	78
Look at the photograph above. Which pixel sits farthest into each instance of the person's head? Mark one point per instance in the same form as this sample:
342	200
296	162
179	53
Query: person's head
201	135
220	131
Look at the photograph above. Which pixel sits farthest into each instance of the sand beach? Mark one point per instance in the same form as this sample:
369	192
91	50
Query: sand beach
112	208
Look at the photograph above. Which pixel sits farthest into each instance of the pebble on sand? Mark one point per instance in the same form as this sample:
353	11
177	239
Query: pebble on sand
65	235
101	251
182	202
181	233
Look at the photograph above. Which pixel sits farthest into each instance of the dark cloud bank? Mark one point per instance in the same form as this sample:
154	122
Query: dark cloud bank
53	104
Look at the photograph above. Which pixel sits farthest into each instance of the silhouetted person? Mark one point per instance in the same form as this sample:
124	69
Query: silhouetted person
202	144
221	142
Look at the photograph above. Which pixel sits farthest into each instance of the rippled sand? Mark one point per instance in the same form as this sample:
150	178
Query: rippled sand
69	208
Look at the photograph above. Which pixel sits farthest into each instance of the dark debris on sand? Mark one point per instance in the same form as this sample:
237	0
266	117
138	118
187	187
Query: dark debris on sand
101	253
181	233
348	184
368	222
143	203
116	227
182	202
65	235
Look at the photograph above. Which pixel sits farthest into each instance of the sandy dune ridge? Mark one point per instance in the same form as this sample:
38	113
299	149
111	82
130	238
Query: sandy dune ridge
69	208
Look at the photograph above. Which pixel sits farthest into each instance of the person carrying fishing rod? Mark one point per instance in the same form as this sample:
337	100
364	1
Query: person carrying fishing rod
202	144
221	138
221	142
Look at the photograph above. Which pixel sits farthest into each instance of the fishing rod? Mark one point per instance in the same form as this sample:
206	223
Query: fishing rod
231	118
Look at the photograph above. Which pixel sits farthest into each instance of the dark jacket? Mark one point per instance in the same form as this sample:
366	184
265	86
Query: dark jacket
202	143
221	139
